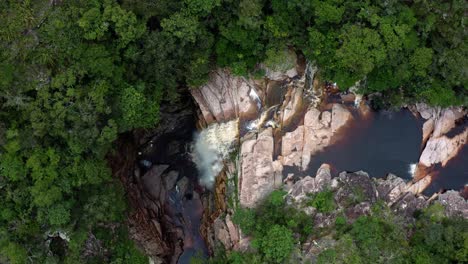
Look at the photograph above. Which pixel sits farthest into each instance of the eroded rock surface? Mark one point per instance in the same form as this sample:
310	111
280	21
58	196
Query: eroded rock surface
257	178
317	133
439	147
226	97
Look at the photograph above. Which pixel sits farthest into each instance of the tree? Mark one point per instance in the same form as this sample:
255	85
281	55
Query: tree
277	244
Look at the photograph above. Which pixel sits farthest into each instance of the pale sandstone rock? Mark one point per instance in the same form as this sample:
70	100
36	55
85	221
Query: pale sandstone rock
312	119
323	176
340	116
257	172
426	111
442	149
226	97
428	127
294	102
446	121
326	118
419	186
292	141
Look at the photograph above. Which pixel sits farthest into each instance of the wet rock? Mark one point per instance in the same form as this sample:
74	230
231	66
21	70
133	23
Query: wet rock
170	179
292	105
152	182
182	185
257	178
226	97
454	203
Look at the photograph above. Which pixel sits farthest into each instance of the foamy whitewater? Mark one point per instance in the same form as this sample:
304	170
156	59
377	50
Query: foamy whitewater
412	169
211	147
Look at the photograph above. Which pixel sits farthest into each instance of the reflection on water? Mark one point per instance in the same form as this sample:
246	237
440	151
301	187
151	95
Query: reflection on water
385	142
453	176
389	142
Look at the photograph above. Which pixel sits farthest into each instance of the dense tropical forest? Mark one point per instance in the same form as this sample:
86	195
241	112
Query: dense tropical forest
74	74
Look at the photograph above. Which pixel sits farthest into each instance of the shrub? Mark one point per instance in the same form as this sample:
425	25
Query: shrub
277	244
323	201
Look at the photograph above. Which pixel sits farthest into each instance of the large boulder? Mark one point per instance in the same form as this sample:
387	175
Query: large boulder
226	97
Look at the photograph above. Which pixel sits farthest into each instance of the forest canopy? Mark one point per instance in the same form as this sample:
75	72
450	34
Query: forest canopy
75	74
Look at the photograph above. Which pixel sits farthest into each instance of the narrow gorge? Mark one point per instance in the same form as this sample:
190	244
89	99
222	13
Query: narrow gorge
238	139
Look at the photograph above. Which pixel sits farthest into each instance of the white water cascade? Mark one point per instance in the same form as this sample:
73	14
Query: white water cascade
211	147
412	168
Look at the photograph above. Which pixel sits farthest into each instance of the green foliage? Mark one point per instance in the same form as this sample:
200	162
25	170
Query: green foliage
75	74
323	201
277	244
280	59
273	225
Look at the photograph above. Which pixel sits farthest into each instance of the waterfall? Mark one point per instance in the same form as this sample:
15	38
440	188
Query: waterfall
254	96
211	147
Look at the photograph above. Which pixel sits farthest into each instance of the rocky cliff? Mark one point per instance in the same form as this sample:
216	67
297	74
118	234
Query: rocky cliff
306	121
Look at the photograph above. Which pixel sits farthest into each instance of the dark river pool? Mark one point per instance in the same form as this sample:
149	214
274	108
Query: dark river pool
388	142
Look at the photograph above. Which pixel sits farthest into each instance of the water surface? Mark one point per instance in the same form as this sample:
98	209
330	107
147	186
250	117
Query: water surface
386	142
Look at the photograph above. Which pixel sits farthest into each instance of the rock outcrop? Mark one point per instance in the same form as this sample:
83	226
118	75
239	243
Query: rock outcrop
317	133
259	174
309	184
226	97
439	147
356	192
